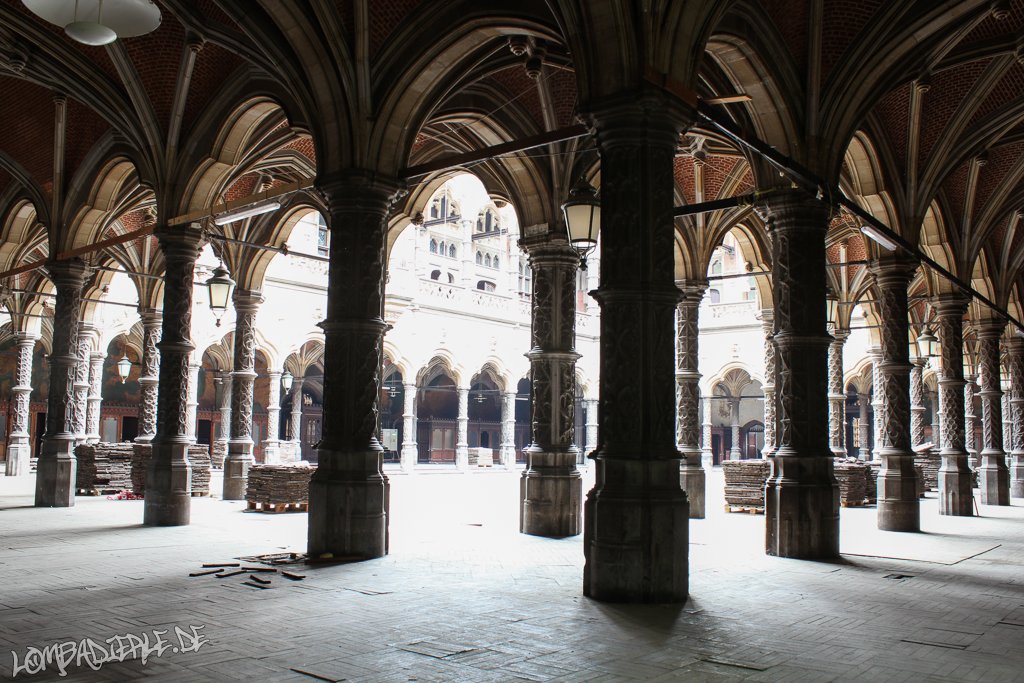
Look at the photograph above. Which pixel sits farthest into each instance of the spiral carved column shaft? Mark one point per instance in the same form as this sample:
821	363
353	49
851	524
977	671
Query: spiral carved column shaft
691	473
193	398
551	487
970	421
877	403
224	408
994	475
917	407
86	331
409	445
933	398
801	494
271	450
295	419
836	395
169	476
864	426
637	516
508	429
348	494
55	477
240	446
462	431
95	401
767	317
955	496
18	446
1016	363
898	507
150	376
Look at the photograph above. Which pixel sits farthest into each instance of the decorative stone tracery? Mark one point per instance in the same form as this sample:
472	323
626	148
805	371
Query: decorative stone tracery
150	375
688	425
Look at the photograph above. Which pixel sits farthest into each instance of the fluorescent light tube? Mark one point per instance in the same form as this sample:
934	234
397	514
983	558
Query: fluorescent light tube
247	212
880	237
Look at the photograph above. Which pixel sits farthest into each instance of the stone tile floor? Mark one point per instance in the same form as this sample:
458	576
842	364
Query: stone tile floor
464	597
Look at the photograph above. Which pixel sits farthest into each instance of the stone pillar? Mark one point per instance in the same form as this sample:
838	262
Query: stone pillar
970	421
863	427
877	402
240	447
898	506
56	467
734	409
271	451
955	494
917	409
801	494
462	431
348	493
1007	424
551	487
591	426
508	429
707	456
95	400
1016	363
636	533
19	448
192	406
225	407
691	474
767	317
295	423
86	330
994	476
169	476
149	377
410	449
933	396
836	395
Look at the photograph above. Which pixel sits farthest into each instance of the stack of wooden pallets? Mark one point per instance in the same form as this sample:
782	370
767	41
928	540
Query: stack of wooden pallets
103	467
279	488
744	484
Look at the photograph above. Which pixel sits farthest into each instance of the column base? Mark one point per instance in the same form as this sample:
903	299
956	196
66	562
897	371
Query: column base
18	454
462	458
349	506
56	471
236	470
898	503
994	480
271	452
707	460
801	507
692	479
956	497
409	456
507	456
636	532
1017	477
168	497
550	495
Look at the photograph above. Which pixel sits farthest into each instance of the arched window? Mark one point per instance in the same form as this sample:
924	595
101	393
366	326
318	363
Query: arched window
485	440
479	258
487	260
433	246
435	209
480	224
451	251
442	248
451	279
494	263
435	275
485	286
715	295
488	221
716	267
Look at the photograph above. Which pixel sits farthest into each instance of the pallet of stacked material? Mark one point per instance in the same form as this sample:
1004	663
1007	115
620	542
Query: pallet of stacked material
140	460
852	481
871	482
279	484
744	482
103	467
199	459
929	461
218	453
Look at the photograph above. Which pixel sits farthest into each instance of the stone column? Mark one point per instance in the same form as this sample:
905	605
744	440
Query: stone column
169	476
955	495
591	425
192	406
462	431
767	317
239	457
1007	424
970	421
56	467
95	400
551	487
707	456
801	494
836	395
691	474
877	402
734	409
917	409
410	448
863	427
1016	363
19	448
898	506
149	377
933	396
271	451
225	408
295	423
994	476
86	330
348	494
508	429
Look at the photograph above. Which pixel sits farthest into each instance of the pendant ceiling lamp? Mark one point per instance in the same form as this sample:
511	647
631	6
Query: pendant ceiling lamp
98	22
